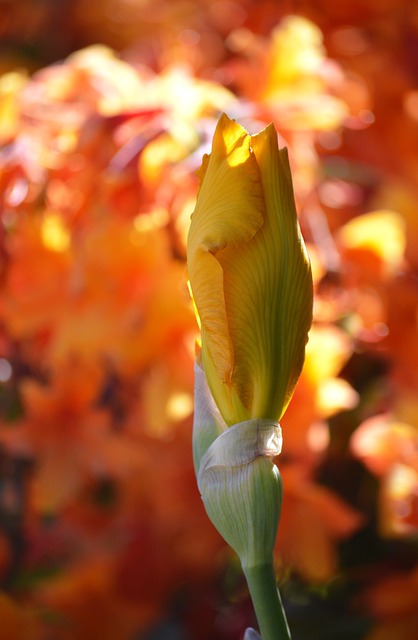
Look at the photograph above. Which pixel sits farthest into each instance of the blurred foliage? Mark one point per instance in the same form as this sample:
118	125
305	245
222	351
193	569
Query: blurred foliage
106	107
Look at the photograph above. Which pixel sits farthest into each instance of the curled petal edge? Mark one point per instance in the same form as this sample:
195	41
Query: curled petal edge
241	444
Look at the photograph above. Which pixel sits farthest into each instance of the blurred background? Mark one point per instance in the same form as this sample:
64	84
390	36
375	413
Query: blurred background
106	108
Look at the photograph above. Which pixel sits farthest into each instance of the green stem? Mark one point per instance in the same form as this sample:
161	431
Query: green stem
267	602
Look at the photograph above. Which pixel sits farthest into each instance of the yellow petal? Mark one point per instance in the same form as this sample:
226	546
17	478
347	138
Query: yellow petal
229	211
290	294
268	292
229	208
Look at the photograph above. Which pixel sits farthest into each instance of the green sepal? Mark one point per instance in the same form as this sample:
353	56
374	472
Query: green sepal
208	423
241	488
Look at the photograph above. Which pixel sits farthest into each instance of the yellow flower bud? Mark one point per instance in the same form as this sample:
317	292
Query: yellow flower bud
249	274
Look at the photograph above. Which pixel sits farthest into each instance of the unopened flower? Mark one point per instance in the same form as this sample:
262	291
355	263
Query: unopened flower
249	274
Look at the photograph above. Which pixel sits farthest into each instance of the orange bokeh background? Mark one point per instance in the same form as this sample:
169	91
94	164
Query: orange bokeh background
106	108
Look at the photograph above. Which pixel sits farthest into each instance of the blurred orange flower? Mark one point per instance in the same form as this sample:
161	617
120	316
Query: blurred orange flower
17	622
394	602
389	448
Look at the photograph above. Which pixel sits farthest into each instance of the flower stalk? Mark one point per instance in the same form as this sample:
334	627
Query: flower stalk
267	602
